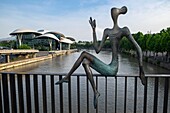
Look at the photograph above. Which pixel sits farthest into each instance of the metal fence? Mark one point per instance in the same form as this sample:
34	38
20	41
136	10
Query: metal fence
37	93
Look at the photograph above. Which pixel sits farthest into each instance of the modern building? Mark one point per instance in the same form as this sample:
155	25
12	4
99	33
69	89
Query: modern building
25	36
48	40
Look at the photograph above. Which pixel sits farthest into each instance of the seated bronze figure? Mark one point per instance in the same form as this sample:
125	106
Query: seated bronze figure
89	61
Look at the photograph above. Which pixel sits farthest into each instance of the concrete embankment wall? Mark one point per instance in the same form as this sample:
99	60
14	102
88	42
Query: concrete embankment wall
50	55
165	65
151	60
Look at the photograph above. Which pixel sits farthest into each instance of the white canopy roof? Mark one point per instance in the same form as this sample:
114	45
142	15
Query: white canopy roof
54	32
22	31
48	36
65	40
52	36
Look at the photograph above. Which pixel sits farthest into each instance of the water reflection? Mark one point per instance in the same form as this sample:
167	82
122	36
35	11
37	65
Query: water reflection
62	64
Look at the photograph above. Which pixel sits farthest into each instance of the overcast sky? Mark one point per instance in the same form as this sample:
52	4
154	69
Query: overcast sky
70	17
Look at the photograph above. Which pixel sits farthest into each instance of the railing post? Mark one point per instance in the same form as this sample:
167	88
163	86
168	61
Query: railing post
135	94
165	104
20	93
115	94
155	96
5	92
125	95
69	94
44	93
97	89
145	96
1	107
13	93
87	94
28	93
105	94
52	94
61	95
78	93
35	79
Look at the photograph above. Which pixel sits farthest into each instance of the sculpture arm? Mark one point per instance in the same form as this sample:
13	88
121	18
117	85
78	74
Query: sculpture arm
132	40
139	53
97	46
95	43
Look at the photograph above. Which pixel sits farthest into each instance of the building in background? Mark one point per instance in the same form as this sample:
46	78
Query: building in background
42	39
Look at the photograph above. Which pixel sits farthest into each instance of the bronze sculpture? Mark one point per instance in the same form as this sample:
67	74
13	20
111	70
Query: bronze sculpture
115	34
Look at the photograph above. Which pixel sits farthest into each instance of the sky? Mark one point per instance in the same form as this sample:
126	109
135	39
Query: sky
71	17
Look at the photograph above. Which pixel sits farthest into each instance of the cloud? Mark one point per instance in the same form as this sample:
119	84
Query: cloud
142	16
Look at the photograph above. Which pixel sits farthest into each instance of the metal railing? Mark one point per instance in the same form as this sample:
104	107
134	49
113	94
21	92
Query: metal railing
37	93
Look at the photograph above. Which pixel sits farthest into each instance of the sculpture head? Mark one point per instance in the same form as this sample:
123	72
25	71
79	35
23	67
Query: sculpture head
115	12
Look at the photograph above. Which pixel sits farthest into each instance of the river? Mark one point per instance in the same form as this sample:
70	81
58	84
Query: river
62	64
127	65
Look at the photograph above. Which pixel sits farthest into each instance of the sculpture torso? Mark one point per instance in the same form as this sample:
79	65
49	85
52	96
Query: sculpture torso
115	36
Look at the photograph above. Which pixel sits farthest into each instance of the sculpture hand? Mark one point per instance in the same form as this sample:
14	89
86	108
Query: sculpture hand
92	23
142	75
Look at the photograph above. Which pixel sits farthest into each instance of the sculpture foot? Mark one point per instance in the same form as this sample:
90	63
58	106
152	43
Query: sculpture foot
61	81
143	79
96	96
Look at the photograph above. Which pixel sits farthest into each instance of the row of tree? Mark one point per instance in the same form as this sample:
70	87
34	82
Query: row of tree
151	43
8	44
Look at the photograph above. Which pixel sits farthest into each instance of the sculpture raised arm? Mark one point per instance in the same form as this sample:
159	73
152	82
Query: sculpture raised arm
97	46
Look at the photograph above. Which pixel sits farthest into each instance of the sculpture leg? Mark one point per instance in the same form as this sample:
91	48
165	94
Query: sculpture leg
142	76
84	55
90	77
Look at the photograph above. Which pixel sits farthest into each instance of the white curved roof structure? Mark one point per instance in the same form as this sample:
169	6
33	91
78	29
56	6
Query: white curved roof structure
70	38
65	40
24	31
54	32
51	36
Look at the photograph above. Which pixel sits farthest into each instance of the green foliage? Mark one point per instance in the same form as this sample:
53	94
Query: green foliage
42	48
125	44
24	46
159	42
149	42
82	45
9	43
107	44
73	46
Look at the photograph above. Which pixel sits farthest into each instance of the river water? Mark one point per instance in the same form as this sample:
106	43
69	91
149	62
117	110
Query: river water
127	66
62	64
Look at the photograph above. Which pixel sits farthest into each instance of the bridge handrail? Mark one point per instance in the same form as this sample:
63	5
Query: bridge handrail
83	74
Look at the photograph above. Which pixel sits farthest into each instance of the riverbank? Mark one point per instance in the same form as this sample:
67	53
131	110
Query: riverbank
41	56
150	59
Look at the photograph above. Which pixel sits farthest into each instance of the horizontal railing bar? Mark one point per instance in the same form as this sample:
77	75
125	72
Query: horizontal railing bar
83	74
